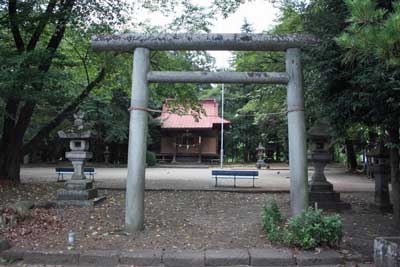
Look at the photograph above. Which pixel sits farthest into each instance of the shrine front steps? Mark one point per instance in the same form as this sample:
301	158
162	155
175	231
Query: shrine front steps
181	258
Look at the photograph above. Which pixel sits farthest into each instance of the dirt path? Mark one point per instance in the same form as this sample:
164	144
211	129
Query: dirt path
177	219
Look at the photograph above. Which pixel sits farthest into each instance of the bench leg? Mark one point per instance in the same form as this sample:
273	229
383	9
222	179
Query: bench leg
62	177
234	181
253	181
216	181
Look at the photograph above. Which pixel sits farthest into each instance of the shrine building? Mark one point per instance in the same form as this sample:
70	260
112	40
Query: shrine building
188	137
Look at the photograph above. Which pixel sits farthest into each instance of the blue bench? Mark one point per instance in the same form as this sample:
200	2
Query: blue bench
69	171
234	174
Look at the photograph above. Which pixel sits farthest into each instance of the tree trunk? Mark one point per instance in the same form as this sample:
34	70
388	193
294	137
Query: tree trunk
351	155
12	138
11	163
394	169
8	141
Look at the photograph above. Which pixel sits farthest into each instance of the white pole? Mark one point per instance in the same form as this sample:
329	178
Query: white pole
222	127
134	212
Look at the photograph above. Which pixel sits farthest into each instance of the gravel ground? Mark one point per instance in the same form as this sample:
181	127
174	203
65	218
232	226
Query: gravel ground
176	219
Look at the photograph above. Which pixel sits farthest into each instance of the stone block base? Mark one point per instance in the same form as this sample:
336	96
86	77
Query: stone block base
387	251
82	203
325	257
183	258
99	258
76	194
79	184
227	257
327	200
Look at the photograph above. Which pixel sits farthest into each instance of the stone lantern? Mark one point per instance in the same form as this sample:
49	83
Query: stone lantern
260	154
78	191
321	190
380	167
107	155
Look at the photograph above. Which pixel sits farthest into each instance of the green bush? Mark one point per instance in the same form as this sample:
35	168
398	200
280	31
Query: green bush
151	158
312	228
308	230
272	220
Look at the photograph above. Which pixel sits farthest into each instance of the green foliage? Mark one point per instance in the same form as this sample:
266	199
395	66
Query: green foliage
151	158
308	230
312	228
272	220
373	30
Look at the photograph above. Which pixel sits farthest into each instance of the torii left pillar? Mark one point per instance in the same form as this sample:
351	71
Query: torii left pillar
134	212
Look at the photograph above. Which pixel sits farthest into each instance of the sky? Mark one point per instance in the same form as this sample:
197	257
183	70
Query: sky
260	14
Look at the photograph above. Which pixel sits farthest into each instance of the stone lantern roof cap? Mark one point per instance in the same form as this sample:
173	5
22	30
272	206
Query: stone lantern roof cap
260	147
321	130
79	129
74	135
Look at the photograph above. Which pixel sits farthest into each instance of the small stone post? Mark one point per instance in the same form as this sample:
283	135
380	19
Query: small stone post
260	153
135	182
107	156
297	133
381	171
387	251
200	150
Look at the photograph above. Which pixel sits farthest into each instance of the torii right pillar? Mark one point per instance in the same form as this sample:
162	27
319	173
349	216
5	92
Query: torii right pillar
297	133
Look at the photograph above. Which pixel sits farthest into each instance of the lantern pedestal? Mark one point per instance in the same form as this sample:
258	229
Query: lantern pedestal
321	192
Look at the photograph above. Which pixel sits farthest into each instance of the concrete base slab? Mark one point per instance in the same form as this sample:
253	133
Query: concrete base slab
179	258
327	200
141	258
52	257
13	254
338	206
99	258
325	257
271	257
183	258
227	257
63	194
82	203
82	184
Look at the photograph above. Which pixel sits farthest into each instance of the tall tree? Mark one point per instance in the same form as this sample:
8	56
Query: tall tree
372	37
32	33
47	70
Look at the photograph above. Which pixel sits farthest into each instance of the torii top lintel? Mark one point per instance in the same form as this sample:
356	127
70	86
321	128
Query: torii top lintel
212	41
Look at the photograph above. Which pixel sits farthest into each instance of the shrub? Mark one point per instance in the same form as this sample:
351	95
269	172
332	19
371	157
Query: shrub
312	228
308	230
151	158
271	219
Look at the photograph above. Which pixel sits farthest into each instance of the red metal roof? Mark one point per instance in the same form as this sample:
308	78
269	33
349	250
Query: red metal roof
171	120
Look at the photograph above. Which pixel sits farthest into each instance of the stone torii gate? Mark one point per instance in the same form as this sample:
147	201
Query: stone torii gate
141	44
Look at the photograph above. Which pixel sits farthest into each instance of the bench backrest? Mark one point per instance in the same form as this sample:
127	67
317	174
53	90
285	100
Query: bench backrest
71	170
234	173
